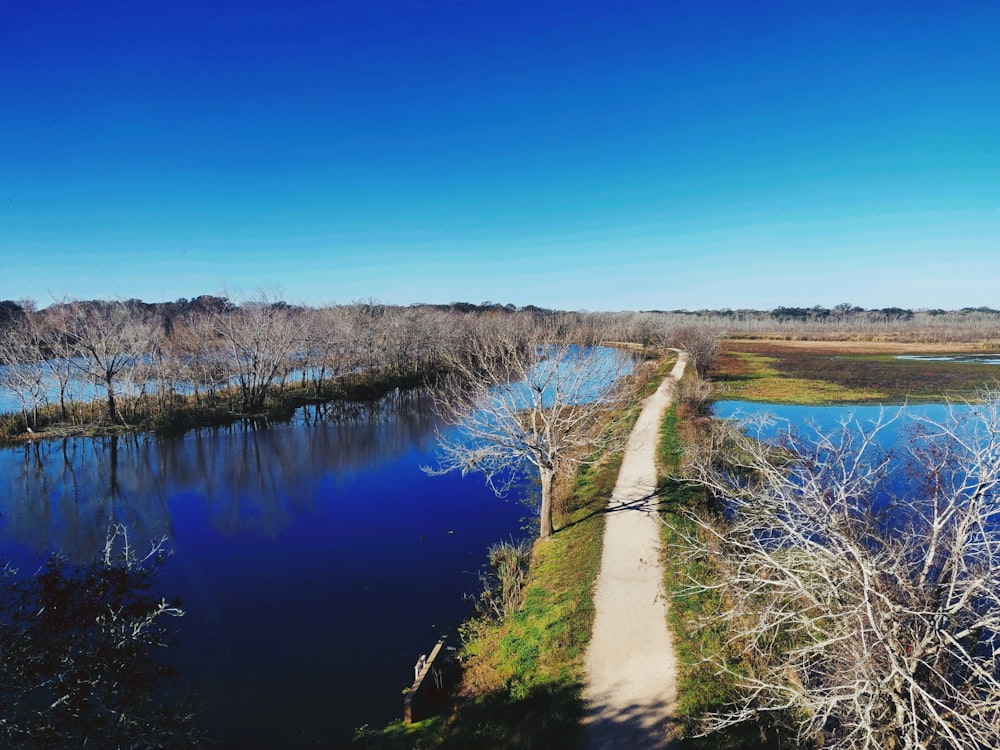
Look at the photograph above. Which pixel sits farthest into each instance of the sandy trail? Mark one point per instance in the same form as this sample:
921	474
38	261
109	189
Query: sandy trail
631	690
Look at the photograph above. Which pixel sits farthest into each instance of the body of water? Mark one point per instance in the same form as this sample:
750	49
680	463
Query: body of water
772	419
977	359
316	561
899	433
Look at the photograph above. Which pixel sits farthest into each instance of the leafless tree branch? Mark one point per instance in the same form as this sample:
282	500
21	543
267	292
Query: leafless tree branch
517	397
863	598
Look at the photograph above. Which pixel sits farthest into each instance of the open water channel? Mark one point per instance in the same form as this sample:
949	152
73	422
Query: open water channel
772	419
315	560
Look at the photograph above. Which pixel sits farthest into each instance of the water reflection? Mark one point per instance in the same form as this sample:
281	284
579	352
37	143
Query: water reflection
303	550
64	495
771	420
980	359
254	479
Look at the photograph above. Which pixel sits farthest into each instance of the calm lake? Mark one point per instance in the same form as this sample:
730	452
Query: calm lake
316	561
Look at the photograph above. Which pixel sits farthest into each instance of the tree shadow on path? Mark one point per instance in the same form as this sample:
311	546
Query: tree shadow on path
610	728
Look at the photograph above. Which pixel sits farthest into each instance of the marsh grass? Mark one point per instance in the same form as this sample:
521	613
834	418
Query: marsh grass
748	376
839	372
503	579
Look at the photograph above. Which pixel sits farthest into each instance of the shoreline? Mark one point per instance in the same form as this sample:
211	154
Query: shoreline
189	416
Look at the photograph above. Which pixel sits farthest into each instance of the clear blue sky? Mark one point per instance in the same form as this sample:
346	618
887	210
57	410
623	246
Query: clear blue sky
579	155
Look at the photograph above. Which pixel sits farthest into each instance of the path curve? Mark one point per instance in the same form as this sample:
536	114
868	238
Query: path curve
631	686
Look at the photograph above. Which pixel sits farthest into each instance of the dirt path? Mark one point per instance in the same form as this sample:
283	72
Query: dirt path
631	689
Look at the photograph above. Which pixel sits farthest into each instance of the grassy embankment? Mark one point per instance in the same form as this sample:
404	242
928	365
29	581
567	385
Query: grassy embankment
699	639
178	413
522	678
819	372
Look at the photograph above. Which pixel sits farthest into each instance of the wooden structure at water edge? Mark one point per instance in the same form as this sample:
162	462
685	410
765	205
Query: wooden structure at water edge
427	680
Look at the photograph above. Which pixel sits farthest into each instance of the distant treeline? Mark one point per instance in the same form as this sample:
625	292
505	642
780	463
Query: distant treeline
969	324
13	311
843	311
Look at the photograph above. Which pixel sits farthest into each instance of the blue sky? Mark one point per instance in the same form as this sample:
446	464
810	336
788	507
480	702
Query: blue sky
586	155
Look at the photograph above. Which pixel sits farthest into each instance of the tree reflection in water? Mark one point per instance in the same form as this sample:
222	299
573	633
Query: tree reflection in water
254	477
82	654
303	550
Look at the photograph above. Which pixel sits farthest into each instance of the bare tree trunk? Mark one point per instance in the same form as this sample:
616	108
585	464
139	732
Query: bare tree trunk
112	405
546	529
261	337
110	342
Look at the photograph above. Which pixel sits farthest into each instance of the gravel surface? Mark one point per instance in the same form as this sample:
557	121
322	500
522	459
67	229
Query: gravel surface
631	690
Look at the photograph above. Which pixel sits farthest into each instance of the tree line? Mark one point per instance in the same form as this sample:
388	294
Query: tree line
127	363
969	324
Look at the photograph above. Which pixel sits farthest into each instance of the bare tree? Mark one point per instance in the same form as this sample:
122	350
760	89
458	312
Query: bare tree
702	342
518	399
83	649
57	349
22	371
261	337
112	342
862	592
198	354
368	321
326	345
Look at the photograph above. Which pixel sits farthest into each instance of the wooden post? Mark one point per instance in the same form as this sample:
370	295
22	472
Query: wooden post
422	669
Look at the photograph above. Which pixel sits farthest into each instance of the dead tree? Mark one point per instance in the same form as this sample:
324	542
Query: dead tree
83	655
519	399
22	369
861	589
702	343
261	337
111	342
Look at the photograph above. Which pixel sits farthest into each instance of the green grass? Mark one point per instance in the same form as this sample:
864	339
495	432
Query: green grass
700	640
695	642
